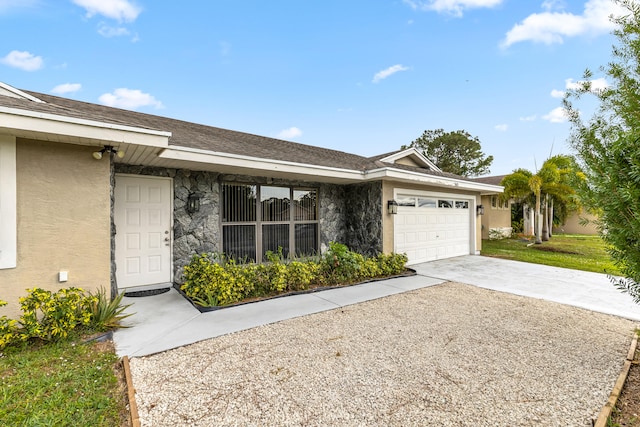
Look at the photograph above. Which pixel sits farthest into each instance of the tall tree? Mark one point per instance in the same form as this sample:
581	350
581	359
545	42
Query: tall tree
454	152
525	187
553	185
609	146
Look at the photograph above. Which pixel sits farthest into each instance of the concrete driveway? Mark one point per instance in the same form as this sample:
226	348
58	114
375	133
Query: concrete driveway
167	321
592	291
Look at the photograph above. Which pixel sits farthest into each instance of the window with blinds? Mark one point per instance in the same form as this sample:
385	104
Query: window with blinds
285	218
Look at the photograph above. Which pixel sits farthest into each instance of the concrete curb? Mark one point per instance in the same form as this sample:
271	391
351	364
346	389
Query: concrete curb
131	393
605	413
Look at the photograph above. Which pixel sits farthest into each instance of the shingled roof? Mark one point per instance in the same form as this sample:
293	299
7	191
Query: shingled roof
492	180
193	135
212	139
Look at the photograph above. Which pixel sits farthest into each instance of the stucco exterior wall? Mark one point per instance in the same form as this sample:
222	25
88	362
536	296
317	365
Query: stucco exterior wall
63	209
572	225
494	217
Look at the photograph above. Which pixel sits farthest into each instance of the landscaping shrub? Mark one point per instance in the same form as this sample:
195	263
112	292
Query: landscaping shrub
341	265
213	280
300	275
9	333
51	316
54	316
391	264
107	313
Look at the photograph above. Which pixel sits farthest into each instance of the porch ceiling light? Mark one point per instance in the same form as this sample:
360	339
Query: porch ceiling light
108	149
480	210
392	207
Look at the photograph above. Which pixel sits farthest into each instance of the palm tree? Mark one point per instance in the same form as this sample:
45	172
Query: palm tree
523	186
556	180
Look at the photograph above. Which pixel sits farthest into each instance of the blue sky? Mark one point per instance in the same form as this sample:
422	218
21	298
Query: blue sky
362	76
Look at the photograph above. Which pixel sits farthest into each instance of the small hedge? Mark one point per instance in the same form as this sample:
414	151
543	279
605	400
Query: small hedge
215	280
54	316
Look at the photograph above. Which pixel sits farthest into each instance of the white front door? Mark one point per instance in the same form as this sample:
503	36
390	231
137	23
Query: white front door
142	215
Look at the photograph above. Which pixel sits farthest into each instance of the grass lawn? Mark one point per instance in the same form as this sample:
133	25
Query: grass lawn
62	384
578	252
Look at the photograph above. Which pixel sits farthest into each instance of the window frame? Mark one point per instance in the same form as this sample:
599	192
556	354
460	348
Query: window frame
8	203
260	222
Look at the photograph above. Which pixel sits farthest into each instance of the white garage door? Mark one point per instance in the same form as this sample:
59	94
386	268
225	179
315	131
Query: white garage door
429	227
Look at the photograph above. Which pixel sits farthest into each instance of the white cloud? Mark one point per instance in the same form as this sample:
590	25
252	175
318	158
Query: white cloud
555	93
24	60
291	133
596	86
501	128
557	115
453	7
5	5
552	27
129	99
66	88
108	31
550	5
532	118
120	10
381	75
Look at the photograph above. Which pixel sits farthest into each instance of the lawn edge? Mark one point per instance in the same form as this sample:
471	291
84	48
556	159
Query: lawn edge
131	394
605	413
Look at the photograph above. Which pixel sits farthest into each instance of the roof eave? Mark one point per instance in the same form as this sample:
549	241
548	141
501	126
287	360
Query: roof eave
435	180
24	123
408	152
240	163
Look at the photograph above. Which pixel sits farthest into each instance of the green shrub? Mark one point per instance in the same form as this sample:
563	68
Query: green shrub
340	264
51	316
276	271
370	268
9	332
107	313
54	316
391	264
301	274
213	280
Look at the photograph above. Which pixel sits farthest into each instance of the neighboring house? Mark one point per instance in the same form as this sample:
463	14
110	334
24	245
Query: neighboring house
572	225
96	196
496	220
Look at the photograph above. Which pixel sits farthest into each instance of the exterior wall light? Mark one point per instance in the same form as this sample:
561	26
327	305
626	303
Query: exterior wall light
108	149
193	203
392	207
480	210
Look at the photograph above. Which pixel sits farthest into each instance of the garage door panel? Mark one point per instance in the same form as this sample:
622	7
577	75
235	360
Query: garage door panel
427	234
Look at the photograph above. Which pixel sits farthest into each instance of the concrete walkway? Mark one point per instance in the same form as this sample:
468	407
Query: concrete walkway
166	321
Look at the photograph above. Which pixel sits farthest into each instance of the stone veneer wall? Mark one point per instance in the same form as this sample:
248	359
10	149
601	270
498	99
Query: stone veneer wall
332	212
201	231
364	218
